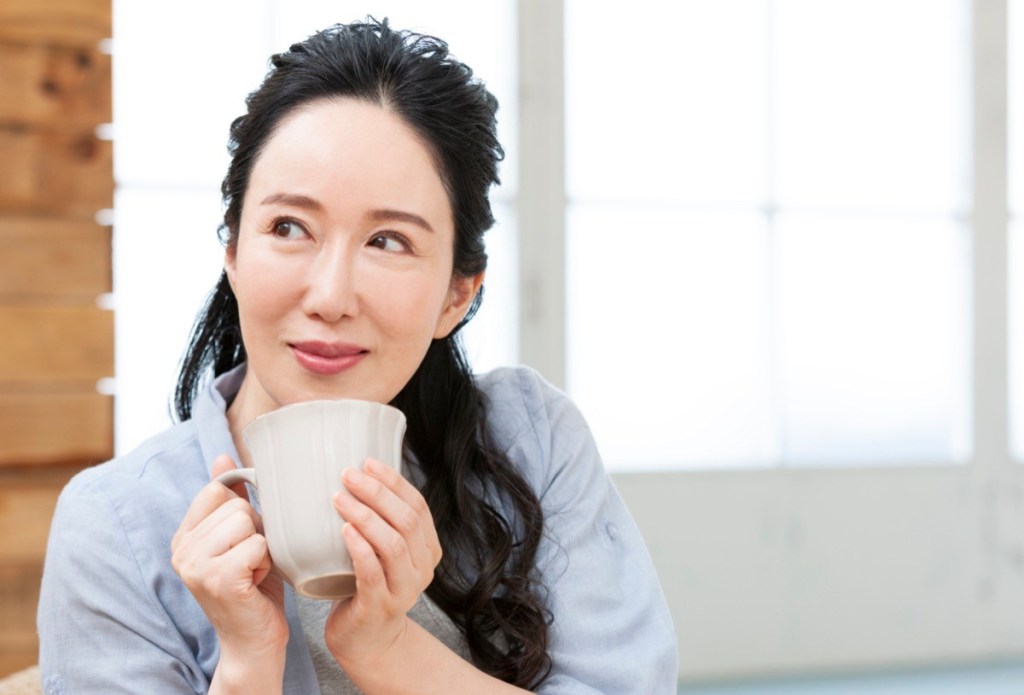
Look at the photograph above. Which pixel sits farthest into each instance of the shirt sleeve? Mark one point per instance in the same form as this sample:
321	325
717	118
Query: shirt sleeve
101	630
611	631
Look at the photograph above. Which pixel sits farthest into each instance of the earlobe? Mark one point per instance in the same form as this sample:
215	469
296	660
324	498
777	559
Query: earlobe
460	299
229	265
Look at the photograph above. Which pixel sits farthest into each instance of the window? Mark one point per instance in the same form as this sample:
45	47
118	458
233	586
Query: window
768	253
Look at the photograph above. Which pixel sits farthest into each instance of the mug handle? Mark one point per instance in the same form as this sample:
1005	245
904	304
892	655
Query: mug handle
239	475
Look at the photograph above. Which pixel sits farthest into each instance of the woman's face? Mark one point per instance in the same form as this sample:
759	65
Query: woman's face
343	266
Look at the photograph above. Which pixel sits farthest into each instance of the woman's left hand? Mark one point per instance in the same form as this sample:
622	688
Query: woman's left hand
391	537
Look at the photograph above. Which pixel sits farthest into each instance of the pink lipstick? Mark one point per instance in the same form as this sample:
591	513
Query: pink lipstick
326	359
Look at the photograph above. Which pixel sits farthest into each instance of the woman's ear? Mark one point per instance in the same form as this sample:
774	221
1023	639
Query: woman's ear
460	298
230	255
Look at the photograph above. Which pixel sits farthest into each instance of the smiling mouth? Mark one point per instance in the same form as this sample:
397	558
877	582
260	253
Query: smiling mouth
326	359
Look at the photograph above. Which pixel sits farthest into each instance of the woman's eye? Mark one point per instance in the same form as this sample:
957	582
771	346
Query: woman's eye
288	229
386	242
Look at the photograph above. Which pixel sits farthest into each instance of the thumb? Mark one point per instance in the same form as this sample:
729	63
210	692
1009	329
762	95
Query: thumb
222	464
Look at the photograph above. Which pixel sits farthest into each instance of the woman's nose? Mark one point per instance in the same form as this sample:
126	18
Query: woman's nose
331	286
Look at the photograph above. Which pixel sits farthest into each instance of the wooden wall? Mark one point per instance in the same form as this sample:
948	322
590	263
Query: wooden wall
55	258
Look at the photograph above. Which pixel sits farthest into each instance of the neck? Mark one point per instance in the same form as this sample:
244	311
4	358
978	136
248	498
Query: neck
238	419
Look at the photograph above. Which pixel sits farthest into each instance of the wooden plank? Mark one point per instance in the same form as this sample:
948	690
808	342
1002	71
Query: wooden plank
55	428
19	596
55	172
26	508
77	22
54	86
48	257
52	344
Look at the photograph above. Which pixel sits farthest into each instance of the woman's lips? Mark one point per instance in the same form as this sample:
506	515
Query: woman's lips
326	358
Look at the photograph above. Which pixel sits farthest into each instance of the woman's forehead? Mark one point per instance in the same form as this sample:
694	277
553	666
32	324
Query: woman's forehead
353	151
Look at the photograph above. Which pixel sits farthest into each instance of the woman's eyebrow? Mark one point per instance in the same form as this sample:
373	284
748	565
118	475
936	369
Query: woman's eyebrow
383	214
293	199
387	214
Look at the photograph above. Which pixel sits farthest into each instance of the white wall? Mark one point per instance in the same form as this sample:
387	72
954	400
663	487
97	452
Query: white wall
811	571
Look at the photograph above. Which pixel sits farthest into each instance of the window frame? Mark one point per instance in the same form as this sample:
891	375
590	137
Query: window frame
542	205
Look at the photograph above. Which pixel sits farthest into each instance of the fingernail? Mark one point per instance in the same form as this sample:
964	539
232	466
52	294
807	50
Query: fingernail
374	466
351	475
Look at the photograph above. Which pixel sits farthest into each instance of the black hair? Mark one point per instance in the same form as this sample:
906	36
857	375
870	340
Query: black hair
487	580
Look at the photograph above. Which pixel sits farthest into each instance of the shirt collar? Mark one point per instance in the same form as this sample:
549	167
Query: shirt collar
209	413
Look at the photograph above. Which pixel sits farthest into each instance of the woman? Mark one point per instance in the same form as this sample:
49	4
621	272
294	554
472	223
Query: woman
356	206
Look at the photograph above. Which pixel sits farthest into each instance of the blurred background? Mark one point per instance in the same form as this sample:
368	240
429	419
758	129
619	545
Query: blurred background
772	248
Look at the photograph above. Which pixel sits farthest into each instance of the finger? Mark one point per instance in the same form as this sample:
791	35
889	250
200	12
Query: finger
412	497
397	514
222	464
253	554
265	565
226	526
198	553
210	497
371	583
196	536
389	546
402	488
236	572
379	496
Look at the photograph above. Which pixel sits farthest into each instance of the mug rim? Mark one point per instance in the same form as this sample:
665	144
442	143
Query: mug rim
321	402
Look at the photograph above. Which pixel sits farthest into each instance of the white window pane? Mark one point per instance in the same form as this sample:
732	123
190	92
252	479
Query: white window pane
181	74
668	336
480	34
1016	332
871	103
1015	103
1015	157
164	266
173	106
874	334
492	337
681	117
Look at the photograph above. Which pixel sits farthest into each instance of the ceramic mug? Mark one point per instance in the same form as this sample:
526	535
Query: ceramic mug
298	453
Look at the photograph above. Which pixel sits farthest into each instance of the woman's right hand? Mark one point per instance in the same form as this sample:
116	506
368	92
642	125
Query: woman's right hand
221	555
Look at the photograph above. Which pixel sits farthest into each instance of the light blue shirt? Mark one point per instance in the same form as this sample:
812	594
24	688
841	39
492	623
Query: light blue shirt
115	618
